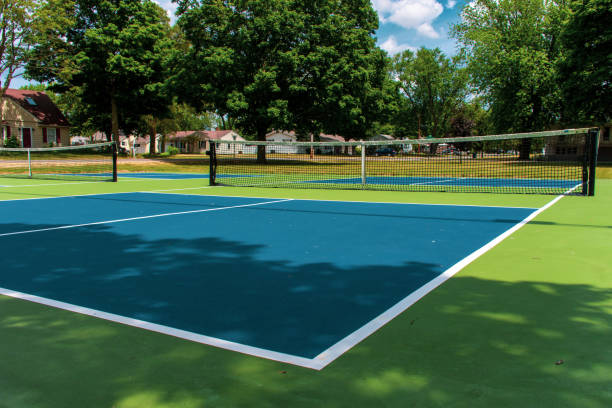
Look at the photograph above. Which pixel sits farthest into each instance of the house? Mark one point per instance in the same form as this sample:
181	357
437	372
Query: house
333	149
33	119
198	141
230	148
605	143
564	146
382	138
139	144
282	136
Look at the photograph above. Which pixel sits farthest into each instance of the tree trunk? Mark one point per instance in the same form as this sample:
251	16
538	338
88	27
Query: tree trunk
152	138
114	120
261	150
525	149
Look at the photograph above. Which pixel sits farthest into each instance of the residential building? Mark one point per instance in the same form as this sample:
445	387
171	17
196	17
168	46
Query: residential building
33	119
198	141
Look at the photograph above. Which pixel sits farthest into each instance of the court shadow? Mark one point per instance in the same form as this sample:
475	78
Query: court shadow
472	342
208	286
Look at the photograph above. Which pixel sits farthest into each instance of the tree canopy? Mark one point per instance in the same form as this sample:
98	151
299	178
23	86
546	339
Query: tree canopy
110	53
586	69
17	22
285	64
512	49
433	88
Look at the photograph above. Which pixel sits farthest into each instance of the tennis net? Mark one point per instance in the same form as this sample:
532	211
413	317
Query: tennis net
86	162
551	162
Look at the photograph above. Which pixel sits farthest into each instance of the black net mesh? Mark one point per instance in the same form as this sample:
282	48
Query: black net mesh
539	163
88	162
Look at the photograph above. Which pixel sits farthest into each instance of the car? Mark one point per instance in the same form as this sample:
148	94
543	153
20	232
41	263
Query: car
385	151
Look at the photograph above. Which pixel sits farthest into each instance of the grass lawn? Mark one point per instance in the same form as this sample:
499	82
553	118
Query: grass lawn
528	324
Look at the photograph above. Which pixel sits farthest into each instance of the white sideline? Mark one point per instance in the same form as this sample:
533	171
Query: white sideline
139	218
335	351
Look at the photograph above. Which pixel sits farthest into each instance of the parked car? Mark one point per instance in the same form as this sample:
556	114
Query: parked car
385	151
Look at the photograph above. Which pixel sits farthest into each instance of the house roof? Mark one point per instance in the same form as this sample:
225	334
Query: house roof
39	105
217	134
203	134
280	132
337	138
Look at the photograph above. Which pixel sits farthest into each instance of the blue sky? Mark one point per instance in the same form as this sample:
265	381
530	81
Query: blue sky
403	24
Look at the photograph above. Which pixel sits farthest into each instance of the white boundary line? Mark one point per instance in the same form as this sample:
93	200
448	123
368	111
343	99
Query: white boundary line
267	198
139	218
335	351
324	358
183	334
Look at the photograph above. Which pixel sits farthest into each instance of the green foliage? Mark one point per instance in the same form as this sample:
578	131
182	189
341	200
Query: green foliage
185	117
433	87
172	151
586	69
16	25
110	54
12	142
512	48
282	64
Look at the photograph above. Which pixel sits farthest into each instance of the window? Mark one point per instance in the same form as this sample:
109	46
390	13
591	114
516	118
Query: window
51	135
606	134
30	101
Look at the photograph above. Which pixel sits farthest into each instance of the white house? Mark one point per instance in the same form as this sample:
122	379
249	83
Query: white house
139	144
230	148
282	136
198	141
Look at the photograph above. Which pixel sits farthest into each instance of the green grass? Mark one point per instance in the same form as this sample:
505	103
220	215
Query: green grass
489	337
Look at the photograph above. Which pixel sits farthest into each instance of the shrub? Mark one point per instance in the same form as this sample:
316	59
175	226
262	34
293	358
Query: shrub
12	142
171	150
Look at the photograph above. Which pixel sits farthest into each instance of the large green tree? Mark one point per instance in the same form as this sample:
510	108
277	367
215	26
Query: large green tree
16	25
433	87
586	68
110	53
512	48
288	64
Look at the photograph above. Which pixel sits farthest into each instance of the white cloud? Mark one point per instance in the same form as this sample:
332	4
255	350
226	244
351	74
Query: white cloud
451	3
410	14
392	47
427	30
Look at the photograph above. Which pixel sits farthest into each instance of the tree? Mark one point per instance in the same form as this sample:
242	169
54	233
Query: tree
586	69
16	25
109	53
512	48
282	63
433	86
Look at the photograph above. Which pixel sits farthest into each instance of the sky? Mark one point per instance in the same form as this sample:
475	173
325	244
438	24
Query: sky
403	24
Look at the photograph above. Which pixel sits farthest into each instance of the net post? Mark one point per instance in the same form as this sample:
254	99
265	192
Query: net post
363	162
212	164
114	150
29	163
593	135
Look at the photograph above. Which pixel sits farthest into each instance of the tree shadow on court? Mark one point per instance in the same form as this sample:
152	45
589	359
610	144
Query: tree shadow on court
472	342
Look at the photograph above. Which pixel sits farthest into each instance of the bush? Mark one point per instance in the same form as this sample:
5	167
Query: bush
171	150
12	142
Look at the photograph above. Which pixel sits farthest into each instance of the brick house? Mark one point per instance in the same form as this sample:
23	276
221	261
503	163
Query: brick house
33	118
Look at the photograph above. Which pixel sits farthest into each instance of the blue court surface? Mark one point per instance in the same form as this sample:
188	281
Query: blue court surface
293	277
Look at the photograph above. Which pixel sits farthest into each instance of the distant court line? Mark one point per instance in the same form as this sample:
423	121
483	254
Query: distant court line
140	218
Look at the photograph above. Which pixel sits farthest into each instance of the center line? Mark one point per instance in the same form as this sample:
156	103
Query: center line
141	218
